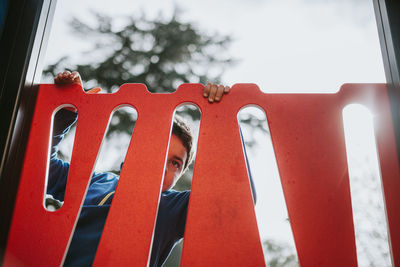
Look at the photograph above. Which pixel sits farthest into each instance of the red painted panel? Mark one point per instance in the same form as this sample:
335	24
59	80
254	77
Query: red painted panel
308	139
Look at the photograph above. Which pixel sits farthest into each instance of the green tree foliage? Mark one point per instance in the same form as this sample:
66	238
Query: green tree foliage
279	255
160	53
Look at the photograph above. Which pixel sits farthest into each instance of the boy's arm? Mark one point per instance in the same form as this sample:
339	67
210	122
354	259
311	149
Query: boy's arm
62	123
58	169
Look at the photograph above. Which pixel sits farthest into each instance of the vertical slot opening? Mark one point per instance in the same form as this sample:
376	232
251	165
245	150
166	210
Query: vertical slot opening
116	140
190	115
103	183
61	144
271	212
366	189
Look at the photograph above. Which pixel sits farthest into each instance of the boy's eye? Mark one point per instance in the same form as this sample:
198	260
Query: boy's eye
176	164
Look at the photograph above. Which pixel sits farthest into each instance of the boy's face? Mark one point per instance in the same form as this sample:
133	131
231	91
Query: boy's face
177	155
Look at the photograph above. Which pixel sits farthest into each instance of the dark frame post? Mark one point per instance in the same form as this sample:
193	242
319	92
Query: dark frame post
24	37
387	13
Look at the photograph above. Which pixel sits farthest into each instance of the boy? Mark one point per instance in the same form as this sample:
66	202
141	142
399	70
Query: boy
172	207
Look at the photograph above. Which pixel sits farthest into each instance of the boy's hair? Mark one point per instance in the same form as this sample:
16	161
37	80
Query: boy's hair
184	133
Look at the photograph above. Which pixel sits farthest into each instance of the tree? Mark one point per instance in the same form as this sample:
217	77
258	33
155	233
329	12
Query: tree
279	255
160	53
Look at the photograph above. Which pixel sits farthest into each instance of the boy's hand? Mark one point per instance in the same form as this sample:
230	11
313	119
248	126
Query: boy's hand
215	92
67	78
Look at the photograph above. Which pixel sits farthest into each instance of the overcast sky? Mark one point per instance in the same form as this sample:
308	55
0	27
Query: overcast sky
283	46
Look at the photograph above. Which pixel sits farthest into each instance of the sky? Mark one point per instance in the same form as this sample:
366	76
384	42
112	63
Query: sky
283	46
291	46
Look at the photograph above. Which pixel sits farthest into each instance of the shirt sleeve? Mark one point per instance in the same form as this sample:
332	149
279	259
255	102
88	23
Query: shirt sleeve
183	209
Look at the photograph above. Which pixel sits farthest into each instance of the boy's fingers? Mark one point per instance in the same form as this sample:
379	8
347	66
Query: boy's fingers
75	74
220	92
66	77
59	76
76	77
213	92
66	74
206	90
59	79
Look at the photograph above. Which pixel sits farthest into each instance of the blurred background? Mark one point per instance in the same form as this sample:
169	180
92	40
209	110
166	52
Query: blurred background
292	46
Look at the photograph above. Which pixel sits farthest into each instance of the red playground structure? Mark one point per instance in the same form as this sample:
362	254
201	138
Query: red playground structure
221	230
